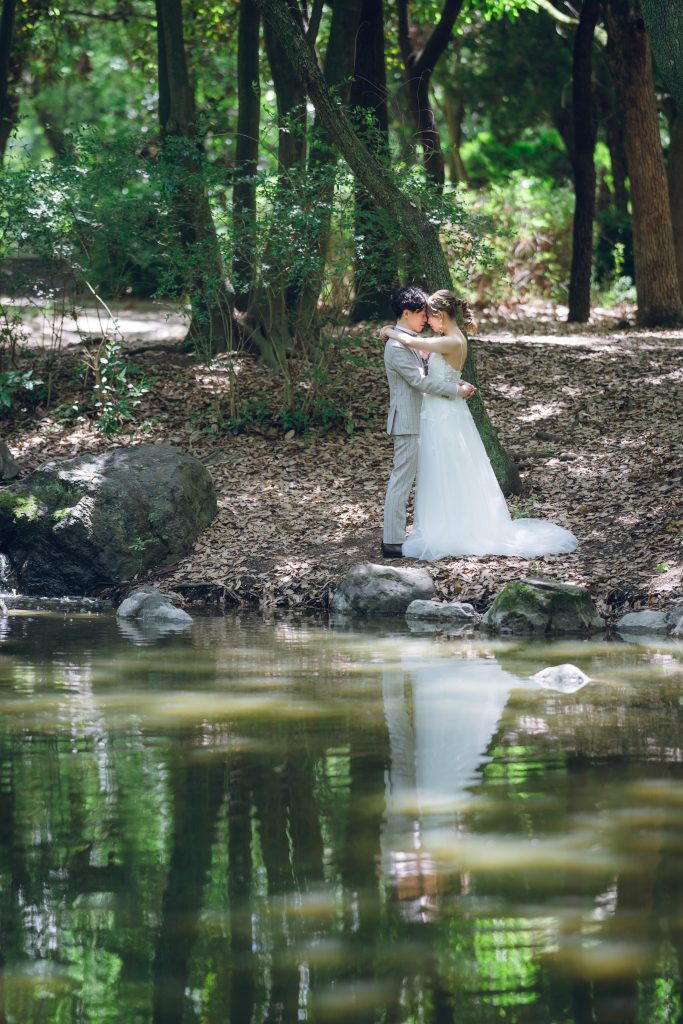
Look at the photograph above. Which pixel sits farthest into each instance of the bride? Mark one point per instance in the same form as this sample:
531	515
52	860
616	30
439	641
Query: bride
459	507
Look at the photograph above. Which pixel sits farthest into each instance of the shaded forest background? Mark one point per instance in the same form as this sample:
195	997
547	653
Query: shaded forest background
178	152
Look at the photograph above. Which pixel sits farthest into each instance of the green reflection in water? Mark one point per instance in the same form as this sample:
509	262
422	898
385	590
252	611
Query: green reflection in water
254	821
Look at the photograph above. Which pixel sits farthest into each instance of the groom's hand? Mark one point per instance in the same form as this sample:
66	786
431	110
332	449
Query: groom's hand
466	389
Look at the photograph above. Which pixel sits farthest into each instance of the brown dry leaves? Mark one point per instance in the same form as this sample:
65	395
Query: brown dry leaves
592	415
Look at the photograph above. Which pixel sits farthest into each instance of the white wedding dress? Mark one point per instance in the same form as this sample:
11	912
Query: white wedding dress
459	507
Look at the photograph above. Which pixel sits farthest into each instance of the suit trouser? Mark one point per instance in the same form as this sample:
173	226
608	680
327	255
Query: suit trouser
398	489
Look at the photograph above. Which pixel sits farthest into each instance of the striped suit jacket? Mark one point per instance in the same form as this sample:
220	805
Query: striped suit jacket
407	385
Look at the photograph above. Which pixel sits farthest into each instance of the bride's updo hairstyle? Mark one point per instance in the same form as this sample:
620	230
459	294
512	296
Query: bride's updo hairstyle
445	301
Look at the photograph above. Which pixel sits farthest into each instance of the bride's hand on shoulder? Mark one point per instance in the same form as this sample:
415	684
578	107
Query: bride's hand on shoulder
384	332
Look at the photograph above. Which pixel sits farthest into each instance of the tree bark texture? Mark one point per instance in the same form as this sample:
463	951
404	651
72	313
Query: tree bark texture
419	64
212	326
675	178
8	101
246	151
628	57
376	264
416	228
585	134
664	19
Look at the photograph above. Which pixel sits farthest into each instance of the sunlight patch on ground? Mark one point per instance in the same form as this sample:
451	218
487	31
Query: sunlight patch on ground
542	411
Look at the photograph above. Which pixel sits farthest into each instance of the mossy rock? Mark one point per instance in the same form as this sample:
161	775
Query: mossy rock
540	607
96	520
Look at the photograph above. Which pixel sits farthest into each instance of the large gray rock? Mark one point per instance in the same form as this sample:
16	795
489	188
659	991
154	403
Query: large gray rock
541	607
380	590
150	605
646	621
96	520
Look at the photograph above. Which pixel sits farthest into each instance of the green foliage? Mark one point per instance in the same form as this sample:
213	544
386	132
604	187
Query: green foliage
490	160
117	387
13	381
530	238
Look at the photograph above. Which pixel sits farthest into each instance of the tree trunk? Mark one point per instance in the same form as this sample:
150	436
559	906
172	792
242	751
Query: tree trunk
614	137
376	264
339	61
246	152
269	313
664	20
675	176
419	64
414	225
8	74
212	325
628	57
585	133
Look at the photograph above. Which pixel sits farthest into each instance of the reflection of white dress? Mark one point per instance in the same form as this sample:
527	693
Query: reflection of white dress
441	715
459	507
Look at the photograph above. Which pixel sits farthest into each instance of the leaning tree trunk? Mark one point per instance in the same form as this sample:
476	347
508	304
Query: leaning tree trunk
212	325
322	162
585	133
376	264
628	57
246	153
415	226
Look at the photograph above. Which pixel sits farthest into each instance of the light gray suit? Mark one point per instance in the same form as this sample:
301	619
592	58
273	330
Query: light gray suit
407	385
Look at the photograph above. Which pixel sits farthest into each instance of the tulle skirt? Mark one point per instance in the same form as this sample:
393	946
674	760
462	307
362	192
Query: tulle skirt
459	507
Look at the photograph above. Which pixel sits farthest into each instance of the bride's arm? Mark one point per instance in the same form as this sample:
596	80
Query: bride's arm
444	344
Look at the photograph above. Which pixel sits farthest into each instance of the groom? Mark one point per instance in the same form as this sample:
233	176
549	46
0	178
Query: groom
408	382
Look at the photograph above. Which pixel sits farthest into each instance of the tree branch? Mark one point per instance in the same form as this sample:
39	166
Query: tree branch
314	21
439	38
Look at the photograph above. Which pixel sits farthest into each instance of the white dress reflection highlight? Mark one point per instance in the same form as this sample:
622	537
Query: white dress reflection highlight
441	716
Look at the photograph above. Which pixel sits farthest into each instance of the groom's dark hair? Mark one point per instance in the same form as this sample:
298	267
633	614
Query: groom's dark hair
412	298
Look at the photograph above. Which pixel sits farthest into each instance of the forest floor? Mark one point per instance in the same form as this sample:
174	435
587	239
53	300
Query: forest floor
591	415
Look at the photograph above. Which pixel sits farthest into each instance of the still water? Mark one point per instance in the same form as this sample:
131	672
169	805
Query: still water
285	821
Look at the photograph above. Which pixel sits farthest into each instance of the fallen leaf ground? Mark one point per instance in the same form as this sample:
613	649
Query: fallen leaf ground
592	416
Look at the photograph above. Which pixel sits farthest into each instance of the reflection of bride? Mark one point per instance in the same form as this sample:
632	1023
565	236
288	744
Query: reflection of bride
440	717
459	507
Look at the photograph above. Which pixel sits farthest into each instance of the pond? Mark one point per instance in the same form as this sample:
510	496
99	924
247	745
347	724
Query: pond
289	821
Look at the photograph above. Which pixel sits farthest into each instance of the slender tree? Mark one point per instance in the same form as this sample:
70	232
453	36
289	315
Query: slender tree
583	160
629	61
8	103
419	62
271	303
376	265
246	151
419	232
323	158
212	325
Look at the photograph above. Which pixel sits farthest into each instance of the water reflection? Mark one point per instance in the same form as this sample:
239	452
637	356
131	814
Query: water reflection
282	822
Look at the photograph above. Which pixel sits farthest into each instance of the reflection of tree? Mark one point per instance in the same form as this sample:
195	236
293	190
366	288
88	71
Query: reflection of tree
197	789
239	871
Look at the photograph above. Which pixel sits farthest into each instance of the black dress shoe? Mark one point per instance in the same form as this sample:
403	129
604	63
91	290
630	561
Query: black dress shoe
392	550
